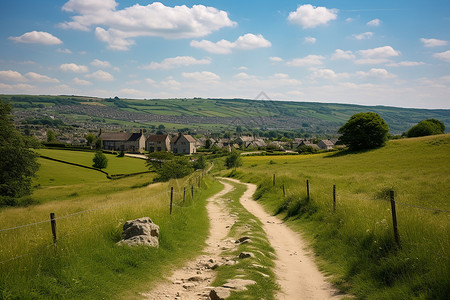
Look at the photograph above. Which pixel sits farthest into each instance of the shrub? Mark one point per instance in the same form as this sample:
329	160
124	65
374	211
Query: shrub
426	127
100	160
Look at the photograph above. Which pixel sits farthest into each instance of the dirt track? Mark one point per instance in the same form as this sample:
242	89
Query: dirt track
296	271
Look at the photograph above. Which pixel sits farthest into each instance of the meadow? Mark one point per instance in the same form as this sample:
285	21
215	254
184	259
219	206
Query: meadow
90	211
355	244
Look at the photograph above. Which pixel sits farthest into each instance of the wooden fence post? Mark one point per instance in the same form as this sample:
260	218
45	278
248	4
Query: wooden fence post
184	194
171	199
192	192
273	179
284	191
307	188
53	224
334	197
199	181
394	219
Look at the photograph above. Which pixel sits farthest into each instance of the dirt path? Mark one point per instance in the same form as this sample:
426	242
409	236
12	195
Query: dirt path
296	271
193	280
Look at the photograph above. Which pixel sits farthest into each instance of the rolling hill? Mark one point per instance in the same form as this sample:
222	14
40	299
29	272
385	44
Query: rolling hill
213	114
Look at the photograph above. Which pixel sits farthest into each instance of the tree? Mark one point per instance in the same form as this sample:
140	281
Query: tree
51	136
178	167
233	160
364	131
18	164
90	138
200	163
100	160
426	127
208	144
155	160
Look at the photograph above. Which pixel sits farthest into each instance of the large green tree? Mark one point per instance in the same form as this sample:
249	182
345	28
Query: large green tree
364	131
426	127
18	164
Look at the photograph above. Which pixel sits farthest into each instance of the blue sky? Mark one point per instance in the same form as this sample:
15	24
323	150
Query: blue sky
394	53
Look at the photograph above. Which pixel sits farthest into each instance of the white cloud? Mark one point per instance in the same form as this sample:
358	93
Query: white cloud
100	64
101	75
117	28
242	68
328	74
171	83
310	60
406	64
276	59
73	68
17	88
282	79
363	36
40	78
177	62
37	37
433	42
79	81
374	22
11	75
376	73
243	76
445	56
204	76
309	16
310	40
377	55
66	51
341	54
248	41
348	20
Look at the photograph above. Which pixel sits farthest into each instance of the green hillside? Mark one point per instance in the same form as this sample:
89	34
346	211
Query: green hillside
356	242
209	113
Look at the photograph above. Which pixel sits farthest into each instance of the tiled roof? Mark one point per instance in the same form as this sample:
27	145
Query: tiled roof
157	138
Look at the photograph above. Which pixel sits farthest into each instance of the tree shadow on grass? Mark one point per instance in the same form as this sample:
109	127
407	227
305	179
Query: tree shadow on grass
349	152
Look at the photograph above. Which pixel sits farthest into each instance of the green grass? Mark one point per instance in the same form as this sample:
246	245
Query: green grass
87	263
258	268
116	165
356	242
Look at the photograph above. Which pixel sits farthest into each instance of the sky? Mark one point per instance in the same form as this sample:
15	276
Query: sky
392	53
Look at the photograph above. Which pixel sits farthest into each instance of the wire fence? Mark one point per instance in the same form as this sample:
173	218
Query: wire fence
180	203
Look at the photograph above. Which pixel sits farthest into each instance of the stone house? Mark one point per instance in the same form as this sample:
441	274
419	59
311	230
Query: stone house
123	141
308	143
183	144
325	144
158	142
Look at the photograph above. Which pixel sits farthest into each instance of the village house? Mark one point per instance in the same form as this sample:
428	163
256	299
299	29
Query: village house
183	144
308	143
158	142
326	144
123	141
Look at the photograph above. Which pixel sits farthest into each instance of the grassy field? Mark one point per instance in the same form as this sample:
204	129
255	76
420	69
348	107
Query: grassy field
87	263
116	165
356	243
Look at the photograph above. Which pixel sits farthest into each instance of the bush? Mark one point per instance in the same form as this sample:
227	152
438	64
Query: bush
426	127
178	167
100	160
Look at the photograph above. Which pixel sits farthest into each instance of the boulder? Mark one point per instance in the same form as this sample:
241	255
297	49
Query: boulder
219	293
141	231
